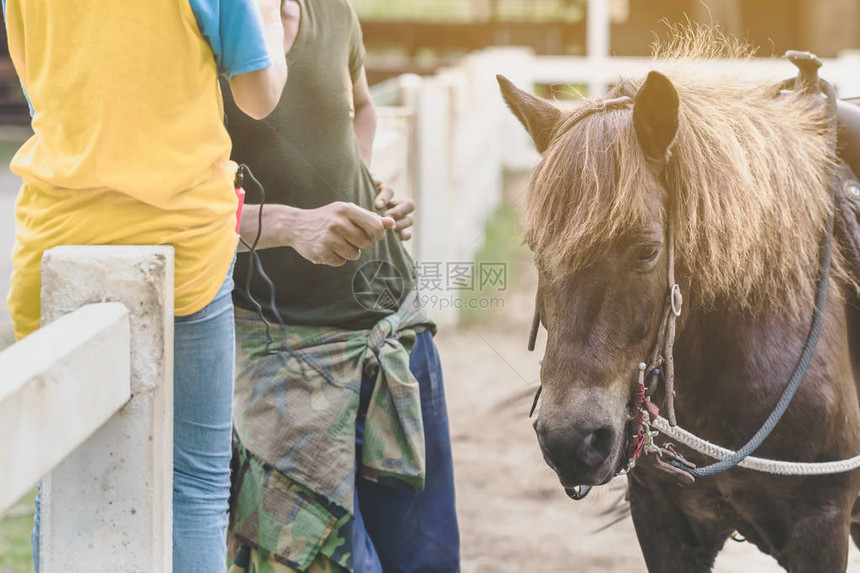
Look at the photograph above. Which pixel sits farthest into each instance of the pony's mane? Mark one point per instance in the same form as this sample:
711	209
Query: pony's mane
747	182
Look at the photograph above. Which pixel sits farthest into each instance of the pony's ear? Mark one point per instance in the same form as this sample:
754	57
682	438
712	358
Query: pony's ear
537	115
655	115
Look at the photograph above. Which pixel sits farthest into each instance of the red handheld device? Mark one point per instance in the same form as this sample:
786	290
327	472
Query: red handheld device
240	195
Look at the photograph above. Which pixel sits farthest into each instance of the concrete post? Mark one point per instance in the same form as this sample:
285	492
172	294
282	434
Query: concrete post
108	506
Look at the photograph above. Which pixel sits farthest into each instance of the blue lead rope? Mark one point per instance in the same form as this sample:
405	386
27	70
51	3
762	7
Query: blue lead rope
794	382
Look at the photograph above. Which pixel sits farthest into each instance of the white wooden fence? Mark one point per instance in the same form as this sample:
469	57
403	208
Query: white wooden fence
86	407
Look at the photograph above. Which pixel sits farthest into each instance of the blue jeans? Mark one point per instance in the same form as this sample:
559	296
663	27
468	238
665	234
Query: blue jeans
400	530
204	363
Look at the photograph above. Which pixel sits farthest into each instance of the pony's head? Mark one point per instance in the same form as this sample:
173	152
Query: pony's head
747	214
601	303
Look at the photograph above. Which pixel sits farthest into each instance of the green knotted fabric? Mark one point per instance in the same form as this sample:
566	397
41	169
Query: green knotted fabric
295	414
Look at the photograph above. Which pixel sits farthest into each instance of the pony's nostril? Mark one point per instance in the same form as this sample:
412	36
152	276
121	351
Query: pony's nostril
596	446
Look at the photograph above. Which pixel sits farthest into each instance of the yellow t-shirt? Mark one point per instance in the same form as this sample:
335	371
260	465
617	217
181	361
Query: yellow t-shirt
129	145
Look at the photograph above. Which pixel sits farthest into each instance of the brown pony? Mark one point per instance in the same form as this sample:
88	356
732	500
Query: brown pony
742	177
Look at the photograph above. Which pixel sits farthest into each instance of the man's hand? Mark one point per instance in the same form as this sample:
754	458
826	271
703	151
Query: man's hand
398	209
336	233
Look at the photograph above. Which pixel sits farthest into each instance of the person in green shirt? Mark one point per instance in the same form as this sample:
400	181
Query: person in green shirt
343	457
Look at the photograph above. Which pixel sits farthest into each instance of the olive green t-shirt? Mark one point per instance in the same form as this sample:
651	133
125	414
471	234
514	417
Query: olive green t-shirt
306	155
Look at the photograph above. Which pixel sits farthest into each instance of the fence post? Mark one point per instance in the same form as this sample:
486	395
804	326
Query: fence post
597	29
517	64
433	194
108	506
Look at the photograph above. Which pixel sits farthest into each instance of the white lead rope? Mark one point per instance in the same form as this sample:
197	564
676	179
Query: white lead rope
753	463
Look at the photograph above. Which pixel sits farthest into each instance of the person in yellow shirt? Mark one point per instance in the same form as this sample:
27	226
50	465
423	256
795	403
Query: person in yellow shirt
129	147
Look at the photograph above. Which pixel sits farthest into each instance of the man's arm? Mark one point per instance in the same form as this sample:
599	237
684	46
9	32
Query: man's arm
364	122
257	93
330	235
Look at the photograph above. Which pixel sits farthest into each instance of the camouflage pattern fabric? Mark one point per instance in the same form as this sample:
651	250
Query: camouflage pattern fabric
288	526
252	560
295	414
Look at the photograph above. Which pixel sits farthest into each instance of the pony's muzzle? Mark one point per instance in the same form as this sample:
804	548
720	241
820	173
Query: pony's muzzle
579	455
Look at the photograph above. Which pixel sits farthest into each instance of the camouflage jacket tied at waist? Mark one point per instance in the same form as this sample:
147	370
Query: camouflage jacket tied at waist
296	410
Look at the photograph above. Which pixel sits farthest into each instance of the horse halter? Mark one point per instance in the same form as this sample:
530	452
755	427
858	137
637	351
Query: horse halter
639	438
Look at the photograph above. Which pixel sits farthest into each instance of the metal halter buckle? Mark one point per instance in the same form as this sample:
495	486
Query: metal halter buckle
676	300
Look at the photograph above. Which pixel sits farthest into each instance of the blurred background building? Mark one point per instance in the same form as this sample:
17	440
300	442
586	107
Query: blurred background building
421	35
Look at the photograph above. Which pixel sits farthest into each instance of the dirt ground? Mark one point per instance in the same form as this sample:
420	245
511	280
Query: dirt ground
514	515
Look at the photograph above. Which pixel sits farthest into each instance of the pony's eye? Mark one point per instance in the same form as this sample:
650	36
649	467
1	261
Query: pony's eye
648	253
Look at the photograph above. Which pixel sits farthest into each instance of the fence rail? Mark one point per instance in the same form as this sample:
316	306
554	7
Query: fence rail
598	73
50	401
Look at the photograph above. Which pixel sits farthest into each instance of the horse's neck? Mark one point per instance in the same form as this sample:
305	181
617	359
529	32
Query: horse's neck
731	367
853	326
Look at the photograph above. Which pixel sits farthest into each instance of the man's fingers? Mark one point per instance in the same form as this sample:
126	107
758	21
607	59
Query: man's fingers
388	223
352	234
404	223
327	256
346	251
371	223
384	197
333	260
405	234
401	209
